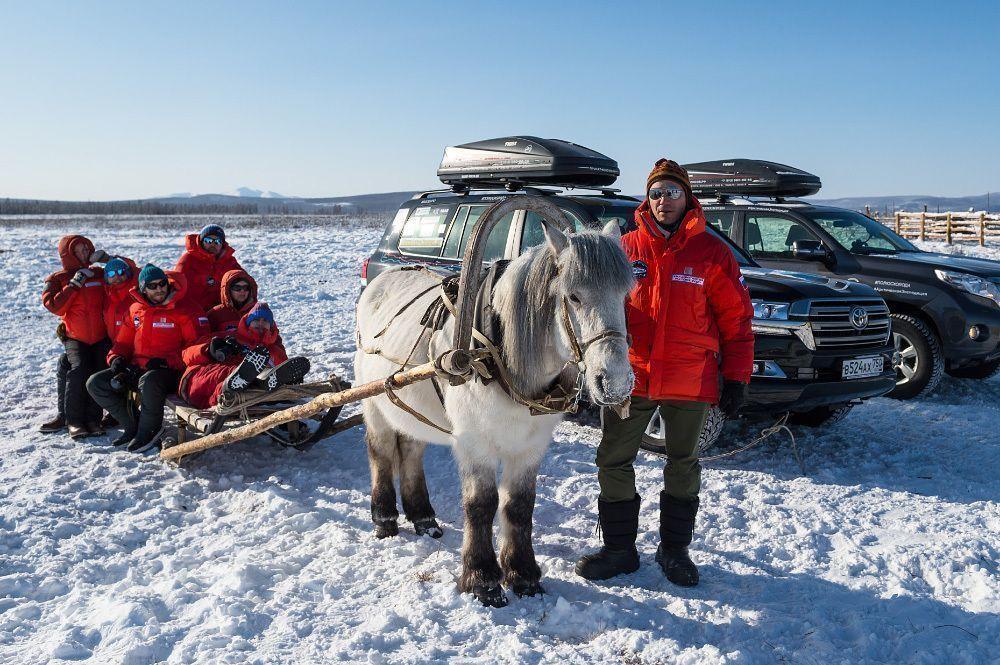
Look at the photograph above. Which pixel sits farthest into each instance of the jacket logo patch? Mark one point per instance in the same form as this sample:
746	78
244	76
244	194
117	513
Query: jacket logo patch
688	279
135	322
639	269
203	319
689	270
744	283
211	281
163	324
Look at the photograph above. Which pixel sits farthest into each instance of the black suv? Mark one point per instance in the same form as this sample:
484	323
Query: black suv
945	309
821	344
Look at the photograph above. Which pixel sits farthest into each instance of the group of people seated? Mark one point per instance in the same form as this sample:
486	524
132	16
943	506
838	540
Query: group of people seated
197	330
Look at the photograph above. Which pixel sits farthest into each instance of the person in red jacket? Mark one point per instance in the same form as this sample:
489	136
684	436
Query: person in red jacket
689	317
121	275
206	258
238	294
76	295
253	357
146	356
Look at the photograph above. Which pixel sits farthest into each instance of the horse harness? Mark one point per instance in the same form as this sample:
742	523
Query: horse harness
562	396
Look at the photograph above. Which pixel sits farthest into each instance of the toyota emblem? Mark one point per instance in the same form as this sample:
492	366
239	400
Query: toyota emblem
859	318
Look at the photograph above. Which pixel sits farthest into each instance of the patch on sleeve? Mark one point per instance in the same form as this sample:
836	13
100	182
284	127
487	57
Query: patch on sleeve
135	322
639	269
203	320
744	283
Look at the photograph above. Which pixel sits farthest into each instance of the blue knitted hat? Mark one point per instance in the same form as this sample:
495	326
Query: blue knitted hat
260	311
150	273
212	230
116	264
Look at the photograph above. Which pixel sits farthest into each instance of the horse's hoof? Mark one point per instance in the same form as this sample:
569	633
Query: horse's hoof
386	529
490	596
527	589
428	527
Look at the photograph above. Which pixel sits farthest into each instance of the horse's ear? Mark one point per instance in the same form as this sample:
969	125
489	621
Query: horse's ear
557	240
612	230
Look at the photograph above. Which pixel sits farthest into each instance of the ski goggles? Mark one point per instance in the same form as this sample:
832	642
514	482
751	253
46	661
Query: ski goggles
212	240
155	286
116	272
672	193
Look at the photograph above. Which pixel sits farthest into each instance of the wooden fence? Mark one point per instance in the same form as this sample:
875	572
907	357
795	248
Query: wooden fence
950	227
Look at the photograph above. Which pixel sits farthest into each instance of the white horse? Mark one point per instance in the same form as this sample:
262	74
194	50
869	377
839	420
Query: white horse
567	292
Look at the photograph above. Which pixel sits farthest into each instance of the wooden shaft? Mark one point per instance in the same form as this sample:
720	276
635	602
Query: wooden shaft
299	412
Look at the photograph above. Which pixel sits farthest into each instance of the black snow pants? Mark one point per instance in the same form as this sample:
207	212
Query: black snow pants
153	386
84	361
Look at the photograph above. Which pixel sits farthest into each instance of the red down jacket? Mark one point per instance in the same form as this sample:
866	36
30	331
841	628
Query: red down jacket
204	271
160	331
202	381
690	306
225	317
118	301
81	309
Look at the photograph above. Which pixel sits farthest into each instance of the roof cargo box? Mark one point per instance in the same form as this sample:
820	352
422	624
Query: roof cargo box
750	177
526	160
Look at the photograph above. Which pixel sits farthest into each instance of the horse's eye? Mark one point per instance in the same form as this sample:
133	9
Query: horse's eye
574	299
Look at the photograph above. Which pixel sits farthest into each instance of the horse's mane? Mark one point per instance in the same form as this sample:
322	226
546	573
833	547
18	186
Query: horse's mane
527	296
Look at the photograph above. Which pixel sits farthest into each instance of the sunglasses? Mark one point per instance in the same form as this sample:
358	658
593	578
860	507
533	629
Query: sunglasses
672	193
239	287
156	286
115	273
212	240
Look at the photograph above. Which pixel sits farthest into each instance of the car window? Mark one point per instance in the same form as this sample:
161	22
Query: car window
859	234
461	230
721	221
533	235
770	237
424	231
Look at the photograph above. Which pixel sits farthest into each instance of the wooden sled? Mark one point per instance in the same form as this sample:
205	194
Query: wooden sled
252	405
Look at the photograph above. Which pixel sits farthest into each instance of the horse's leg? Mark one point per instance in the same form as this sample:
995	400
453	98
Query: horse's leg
517	557
480	571
382	453
413	488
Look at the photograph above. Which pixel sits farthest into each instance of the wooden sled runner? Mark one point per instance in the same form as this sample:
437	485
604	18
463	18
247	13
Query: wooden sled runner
253	405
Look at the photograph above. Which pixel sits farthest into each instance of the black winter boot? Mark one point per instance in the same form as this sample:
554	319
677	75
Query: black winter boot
290	372
241	378
619	527
676	529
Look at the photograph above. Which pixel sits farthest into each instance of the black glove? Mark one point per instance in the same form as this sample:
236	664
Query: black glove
81	276
156	363
117	365
734	396
221	348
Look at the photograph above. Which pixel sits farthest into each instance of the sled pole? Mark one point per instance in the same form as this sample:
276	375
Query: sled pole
300	412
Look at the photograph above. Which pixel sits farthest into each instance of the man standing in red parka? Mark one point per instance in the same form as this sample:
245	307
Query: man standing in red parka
206	258
689	318
76	295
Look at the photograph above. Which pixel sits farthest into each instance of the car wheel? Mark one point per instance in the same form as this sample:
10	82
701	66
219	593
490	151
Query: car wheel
821	415
979	371
921	362
654	438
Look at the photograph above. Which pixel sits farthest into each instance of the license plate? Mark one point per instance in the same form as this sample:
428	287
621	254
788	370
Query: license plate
859	368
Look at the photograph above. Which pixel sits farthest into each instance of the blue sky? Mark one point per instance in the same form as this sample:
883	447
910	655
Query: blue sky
120	100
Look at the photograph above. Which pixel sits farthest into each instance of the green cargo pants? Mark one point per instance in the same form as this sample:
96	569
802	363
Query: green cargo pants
620	444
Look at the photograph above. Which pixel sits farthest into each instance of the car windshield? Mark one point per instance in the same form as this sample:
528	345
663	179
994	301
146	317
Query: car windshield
859	234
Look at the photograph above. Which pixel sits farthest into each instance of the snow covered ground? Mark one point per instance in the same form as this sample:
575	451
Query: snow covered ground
886	550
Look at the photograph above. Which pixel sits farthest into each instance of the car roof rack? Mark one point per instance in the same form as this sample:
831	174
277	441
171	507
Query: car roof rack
514	186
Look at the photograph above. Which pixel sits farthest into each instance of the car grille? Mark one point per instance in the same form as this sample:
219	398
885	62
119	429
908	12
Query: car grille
833	328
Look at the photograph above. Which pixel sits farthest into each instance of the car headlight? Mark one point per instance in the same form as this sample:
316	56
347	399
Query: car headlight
774	311
977	286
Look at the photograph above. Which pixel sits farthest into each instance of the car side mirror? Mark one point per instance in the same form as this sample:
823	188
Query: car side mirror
810	250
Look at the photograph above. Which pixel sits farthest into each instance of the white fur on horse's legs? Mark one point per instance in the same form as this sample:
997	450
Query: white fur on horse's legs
480	571
517	504
382	457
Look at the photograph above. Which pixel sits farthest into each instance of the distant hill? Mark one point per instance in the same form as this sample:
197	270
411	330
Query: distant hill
914	203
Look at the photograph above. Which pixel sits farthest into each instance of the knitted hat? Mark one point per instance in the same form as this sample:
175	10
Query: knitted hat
212	230
668	169
260	311
114	265
150	273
